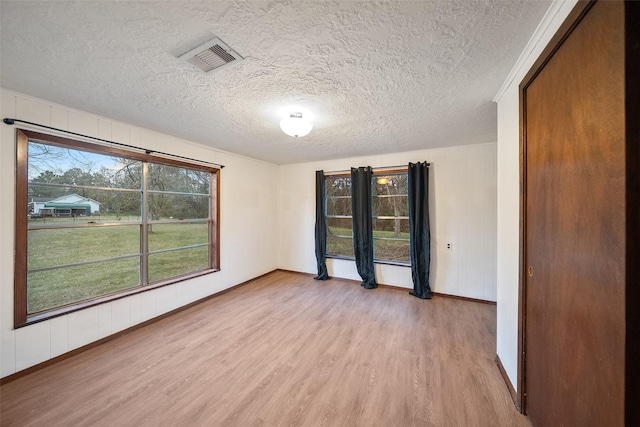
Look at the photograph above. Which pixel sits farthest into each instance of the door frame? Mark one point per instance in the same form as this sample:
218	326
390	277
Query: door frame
570	23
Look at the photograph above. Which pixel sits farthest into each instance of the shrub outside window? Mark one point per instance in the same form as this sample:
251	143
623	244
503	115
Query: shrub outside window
95	223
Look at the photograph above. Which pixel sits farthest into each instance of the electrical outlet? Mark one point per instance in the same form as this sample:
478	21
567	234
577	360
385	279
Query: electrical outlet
449	247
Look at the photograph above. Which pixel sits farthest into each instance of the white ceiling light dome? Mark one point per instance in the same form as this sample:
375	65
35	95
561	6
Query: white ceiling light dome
295	125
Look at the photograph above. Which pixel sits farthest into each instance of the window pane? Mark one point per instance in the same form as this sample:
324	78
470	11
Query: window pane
390	206
391	250
390	195
56	247
396	184
391	228
181	180
338	206
177	206
339	226
49	164
397	247
167	236
69	205
340	246
175	263
338	186
55	288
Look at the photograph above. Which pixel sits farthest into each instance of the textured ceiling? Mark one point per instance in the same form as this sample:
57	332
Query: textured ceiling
374	77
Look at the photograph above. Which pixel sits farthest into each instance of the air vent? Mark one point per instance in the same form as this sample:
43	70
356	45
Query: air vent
212	56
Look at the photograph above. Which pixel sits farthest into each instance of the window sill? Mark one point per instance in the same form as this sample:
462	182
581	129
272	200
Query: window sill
61	311
375	261
397	263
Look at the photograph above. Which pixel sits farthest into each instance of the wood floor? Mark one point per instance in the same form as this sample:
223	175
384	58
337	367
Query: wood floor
284	350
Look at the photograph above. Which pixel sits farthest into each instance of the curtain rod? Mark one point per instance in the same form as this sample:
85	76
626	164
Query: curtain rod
10	122
380	168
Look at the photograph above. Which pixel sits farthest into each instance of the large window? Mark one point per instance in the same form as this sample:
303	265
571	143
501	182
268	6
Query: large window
94	223
389	202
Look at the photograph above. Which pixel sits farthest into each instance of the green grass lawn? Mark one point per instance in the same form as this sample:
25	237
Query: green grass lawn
387	250
55	288
68	285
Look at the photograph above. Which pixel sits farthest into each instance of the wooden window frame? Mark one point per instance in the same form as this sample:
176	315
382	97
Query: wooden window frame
23	137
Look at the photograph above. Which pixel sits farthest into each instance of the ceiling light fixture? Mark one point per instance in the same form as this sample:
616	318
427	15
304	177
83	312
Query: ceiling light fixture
295	125
383	180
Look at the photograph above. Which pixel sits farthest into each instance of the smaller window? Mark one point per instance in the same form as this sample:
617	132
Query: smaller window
390	217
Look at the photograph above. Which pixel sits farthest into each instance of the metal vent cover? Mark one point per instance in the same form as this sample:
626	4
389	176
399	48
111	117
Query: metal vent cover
212	56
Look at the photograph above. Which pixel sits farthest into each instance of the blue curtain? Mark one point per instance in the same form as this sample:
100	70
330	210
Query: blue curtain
321	228
420	234
362	225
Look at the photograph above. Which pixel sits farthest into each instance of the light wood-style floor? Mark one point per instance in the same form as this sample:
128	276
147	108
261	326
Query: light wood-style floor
284	350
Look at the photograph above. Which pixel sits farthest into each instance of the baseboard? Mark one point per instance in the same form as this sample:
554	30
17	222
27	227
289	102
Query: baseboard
296	272
505	377
119	334
384	285
481	301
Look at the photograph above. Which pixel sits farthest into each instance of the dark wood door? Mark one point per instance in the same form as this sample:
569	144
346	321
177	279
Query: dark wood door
574	236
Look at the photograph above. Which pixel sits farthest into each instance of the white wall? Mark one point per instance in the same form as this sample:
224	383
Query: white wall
463	212
248	211
509	189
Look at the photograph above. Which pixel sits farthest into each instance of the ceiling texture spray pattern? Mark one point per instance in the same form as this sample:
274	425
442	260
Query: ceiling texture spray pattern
373	77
